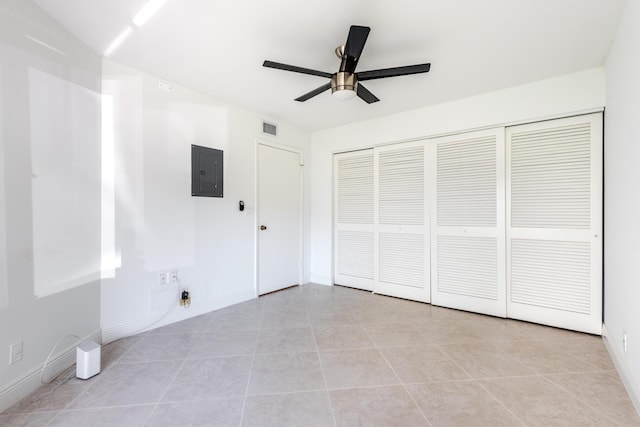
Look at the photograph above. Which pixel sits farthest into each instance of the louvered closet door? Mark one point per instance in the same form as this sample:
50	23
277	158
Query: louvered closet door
554	219
468	222
401	241
353	219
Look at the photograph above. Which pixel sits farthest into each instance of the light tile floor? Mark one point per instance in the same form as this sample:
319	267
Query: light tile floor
333	356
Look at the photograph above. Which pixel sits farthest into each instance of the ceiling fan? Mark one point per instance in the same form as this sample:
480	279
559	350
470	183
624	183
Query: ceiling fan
345	83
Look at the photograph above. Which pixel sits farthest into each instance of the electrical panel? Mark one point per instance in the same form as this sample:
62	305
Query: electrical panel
206	171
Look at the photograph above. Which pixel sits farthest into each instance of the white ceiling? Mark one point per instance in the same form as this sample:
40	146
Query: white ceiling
218	46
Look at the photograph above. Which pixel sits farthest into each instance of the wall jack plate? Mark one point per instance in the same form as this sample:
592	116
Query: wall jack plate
163	278
15	352
168	277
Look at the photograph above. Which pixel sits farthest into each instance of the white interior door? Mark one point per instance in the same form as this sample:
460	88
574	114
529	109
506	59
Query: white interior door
353	219
554	222
401	243
468	222
279	217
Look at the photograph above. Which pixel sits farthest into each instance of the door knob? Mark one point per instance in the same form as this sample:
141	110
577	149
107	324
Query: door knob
263	227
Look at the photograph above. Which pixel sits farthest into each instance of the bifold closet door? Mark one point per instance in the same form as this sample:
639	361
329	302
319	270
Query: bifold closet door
353	219
468	222
401	240
554	222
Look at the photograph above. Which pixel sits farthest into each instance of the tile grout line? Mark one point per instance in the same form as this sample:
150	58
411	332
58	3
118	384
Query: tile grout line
60	411
377	347
253	362
438	346
118	362
174	378
246	389
500	401
89	387
52	418
577	397
324	378
476	381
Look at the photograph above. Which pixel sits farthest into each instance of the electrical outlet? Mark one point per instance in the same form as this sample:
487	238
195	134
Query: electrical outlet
624	341
164	278
173	276
15	352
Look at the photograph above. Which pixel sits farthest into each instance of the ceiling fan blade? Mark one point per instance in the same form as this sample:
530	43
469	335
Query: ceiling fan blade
356	40
313	93
353	48
285	67
365	95
393	72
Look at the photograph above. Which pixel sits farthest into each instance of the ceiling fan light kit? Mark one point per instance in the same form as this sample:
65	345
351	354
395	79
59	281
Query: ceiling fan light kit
345	84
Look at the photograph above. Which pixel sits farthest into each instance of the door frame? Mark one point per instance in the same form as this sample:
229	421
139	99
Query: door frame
256	227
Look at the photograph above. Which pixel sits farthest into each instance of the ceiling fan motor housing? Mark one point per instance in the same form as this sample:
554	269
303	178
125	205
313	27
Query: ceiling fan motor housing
343	81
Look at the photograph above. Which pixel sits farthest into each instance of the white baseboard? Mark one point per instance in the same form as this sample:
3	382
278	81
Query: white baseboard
31	381
141	324
174	314
321	280
617	357
313	283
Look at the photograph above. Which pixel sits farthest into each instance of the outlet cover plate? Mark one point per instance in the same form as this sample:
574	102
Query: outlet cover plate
15	352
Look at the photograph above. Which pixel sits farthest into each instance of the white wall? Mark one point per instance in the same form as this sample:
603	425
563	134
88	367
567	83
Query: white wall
622	199
49	192
558	96
154	224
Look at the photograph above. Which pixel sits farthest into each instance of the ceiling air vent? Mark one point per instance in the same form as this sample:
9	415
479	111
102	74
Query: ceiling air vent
269	128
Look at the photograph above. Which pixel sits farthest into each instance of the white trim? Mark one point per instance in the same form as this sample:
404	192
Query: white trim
282	147
29	382
316	283
256	291
321	280
144	323
617	358
158	319
481	128
301	221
